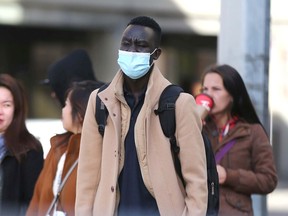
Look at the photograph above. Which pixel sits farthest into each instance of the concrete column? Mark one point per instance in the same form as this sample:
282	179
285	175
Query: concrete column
243	43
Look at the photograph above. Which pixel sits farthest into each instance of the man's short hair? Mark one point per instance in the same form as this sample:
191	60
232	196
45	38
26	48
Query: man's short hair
148	22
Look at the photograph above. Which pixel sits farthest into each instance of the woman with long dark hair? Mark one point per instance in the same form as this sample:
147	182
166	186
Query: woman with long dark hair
241	146
58	176
21	154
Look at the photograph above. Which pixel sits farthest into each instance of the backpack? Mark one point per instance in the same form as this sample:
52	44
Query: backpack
166	113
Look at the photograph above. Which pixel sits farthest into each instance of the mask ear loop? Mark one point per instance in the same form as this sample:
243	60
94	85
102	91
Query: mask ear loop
153	51
151	55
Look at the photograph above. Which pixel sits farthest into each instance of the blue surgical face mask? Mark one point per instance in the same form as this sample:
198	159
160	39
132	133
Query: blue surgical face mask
134	64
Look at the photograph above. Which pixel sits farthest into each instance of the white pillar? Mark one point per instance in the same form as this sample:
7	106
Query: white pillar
243	43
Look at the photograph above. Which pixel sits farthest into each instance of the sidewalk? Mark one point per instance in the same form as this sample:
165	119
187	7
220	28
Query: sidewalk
277	201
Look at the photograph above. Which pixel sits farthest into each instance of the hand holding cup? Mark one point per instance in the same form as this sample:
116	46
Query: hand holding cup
205	103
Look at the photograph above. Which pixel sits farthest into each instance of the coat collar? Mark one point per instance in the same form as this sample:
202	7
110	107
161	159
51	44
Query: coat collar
156	84
241	129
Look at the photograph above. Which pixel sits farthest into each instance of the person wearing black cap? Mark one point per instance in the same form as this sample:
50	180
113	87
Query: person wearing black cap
76	66
71	80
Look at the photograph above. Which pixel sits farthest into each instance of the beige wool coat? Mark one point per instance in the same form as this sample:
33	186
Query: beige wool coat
101	161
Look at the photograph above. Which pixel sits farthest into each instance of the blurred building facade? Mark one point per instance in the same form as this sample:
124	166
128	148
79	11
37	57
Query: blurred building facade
35	33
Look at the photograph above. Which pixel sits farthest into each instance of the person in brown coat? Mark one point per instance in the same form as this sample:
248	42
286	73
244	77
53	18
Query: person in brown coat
62	156
240	143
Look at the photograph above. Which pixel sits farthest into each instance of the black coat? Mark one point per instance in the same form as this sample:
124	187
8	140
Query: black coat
17	182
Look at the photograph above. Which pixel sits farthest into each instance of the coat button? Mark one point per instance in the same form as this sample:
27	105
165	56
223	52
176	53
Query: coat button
112	189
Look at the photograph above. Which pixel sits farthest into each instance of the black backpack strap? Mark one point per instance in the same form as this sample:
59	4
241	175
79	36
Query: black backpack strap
166	112
101	112
213	179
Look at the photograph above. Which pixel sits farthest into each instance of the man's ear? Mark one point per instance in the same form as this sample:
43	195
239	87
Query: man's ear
157	53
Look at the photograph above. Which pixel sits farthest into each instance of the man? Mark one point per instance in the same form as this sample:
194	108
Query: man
130	171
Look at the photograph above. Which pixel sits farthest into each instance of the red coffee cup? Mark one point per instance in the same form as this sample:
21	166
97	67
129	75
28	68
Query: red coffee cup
205	100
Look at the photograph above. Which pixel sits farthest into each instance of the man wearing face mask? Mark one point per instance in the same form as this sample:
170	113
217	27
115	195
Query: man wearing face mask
130	170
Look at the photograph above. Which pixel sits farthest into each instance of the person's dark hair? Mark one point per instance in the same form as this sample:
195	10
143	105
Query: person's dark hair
234	84
148	22
18	140
78	95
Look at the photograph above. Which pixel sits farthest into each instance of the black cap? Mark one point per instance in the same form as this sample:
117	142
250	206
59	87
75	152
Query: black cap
76	66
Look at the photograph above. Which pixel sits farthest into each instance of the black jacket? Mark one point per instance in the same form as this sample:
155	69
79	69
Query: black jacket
17	182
